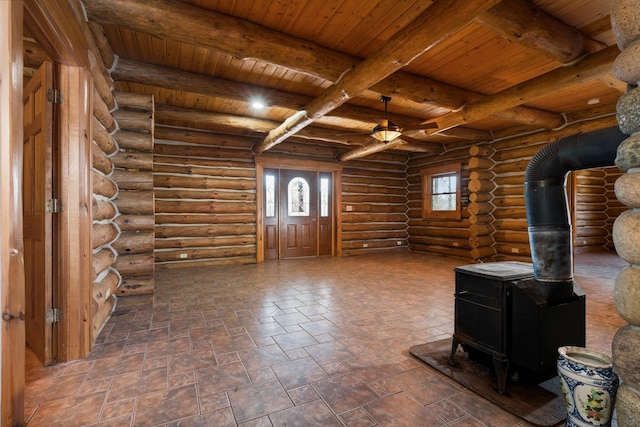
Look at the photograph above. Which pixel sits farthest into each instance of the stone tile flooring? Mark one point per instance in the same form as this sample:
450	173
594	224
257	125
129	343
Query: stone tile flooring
307	342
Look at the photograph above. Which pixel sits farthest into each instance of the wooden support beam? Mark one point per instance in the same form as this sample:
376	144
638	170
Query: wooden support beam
432	26
374	146
168	114
171	78
523	22
591	67
216	31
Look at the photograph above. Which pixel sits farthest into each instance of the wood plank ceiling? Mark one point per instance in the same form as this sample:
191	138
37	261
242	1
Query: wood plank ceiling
477	69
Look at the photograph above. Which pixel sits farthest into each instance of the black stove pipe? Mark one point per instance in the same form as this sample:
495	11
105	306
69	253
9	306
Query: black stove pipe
546	202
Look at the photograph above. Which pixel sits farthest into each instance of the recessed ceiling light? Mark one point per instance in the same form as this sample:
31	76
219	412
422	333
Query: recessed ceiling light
258	105
593	101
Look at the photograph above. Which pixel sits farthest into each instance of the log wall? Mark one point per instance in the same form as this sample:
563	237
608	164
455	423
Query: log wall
122	185
494	224
205	189
445	237
133	171
596	209
104	230
510	221
374	204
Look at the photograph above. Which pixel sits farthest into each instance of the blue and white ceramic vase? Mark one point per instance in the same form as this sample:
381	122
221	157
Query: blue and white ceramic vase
589	386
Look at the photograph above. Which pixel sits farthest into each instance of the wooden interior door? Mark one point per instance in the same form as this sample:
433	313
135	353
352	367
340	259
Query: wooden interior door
298	213
37	229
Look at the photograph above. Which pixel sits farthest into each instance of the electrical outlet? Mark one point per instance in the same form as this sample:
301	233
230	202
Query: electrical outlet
398	243
349	208
515	250
183	256
456	244
365	245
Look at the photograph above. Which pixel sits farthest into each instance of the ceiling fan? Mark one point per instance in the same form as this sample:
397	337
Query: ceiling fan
386	130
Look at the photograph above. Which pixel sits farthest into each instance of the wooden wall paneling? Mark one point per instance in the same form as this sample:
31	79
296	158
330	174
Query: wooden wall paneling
12	280
75	220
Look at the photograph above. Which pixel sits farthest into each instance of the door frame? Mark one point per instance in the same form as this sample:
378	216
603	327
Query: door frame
61	34
271	162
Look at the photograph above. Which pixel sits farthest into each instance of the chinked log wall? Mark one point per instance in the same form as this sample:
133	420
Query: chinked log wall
104	231
446	237
596	208
122	186
374	203
205	191
494	224
135	201
205	187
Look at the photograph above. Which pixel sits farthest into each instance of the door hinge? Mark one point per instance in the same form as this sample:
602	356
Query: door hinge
55	96
53	315
54	205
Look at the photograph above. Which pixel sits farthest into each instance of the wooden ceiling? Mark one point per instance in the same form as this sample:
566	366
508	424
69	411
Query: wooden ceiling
476	70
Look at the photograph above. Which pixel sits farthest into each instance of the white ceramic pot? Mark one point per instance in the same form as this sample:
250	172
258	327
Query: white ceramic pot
589	386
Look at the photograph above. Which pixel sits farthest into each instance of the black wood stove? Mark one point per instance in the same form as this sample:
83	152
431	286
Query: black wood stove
505	316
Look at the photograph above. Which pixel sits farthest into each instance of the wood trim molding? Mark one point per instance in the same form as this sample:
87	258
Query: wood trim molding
55	24
12	281
74	224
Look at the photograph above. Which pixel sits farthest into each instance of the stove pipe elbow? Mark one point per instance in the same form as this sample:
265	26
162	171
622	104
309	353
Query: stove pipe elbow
550	236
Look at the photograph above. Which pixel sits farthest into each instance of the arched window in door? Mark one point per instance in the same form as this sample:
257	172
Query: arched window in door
298	193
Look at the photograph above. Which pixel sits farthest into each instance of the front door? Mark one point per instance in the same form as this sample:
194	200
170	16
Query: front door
37	190
298	213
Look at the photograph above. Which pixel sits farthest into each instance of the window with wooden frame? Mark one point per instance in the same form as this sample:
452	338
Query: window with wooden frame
441	191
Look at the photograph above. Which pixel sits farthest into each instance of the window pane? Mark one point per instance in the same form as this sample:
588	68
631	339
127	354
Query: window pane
270	195
443	202
444	184
324	197
298	202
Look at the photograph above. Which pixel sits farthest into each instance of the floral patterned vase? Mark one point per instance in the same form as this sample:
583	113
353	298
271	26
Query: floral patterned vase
589	386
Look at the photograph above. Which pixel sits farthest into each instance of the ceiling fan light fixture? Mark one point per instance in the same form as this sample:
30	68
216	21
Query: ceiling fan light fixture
386	131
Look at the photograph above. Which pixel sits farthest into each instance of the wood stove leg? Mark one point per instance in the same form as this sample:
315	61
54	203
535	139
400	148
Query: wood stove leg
501	367
454	348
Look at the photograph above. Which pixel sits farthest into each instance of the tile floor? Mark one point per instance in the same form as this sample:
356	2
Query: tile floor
307	342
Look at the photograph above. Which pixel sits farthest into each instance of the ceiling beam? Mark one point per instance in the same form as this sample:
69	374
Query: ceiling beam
242	125
523	22
375	146
244	39
176	79
171	78
432	26
593	66
465	133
